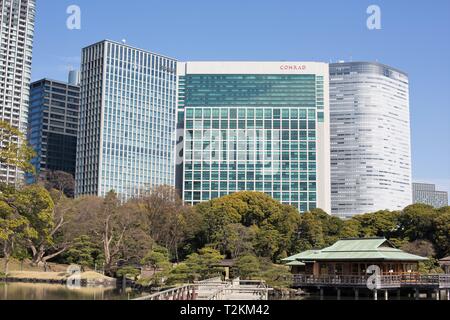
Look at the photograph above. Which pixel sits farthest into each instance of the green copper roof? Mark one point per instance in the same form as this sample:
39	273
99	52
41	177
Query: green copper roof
355	250
300	256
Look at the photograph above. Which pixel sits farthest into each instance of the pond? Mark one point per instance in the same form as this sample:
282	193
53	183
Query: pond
39	291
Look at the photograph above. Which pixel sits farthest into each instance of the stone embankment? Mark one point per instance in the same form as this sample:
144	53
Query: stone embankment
85	279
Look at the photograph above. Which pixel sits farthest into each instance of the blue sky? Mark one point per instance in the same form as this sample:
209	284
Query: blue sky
415	37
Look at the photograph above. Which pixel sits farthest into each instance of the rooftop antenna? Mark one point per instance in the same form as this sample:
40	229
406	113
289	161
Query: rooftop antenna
124	41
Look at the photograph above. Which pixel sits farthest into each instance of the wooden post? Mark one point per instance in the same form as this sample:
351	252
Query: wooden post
321	293
356	294
438	294
386	295
416	294
124	283
399	294
375	295
227	273
339	294
448	294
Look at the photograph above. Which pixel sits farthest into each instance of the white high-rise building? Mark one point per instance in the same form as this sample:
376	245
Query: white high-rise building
370	138
126	136
16	45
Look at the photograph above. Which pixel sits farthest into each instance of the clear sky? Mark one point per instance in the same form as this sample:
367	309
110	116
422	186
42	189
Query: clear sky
415	37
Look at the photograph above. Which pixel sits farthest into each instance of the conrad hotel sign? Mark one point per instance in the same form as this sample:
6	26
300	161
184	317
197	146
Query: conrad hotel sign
293	67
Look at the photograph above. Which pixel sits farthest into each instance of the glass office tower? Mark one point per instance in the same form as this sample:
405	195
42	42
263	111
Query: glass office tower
126	140
370	138
53	125
16	38
259	126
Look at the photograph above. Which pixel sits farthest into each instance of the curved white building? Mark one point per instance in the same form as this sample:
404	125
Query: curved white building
370	138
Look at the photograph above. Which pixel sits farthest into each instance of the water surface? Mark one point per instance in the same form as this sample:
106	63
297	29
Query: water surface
39	291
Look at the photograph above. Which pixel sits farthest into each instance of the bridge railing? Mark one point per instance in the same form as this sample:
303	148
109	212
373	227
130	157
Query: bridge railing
213	289
382	281
187	292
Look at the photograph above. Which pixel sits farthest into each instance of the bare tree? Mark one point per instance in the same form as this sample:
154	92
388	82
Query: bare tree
61	181
108	224
170	221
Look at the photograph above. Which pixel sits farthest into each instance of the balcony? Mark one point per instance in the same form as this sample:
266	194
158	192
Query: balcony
385	281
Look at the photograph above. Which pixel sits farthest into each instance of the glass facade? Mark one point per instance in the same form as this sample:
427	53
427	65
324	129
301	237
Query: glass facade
253	132
128	145
53	125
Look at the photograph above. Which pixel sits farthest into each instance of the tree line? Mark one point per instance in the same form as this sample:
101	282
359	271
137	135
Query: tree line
45	225
42	222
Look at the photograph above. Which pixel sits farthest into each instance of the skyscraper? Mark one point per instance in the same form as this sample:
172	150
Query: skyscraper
370	138
16	34
53	125
126	138
427	194
258	126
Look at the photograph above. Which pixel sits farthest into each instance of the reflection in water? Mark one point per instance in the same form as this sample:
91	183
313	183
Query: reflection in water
32	291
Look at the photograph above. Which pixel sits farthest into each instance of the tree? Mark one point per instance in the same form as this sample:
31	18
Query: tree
109	225
234	239
14	149
267	242
416	222
431	266
157	258
309	234
423	248
26	219
248	266
276	276
441	234
61	181
128	272
12	230
137	242
170	222
37	206
83	252
180	274
204	264
379	224
254	210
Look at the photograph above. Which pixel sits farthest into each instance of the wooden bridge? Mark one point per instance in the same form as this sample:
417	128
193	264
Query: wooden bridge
215	289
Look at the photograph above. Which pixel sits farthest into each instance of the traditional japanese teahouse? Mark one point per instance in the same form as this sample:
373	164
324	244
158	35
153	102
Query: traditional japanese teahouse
349	266
352	257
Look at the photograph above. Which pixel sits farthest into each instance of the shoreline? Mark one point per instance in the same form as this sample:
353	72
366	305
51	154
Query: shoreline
85	279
